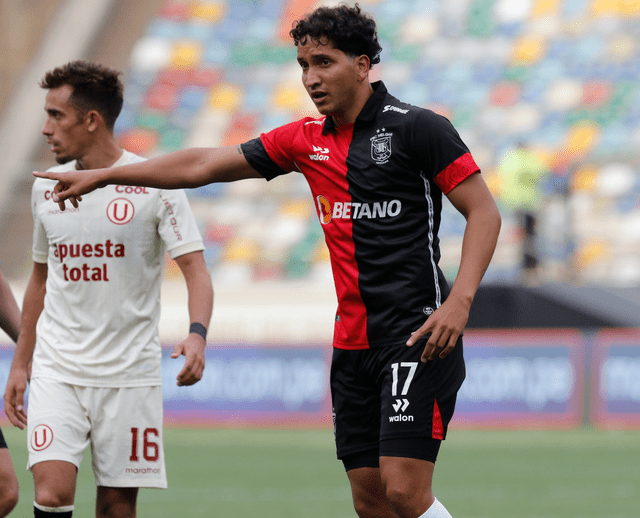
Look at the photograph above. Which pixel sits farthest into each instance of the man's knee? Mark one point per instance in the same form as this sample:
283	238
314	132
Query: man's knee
8	499
369	498
55	483
46	497
407	501
407	484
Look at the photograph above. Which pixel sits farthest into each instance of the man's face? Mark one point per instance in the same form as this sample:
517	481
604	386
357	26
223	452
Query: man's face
330	77
67	133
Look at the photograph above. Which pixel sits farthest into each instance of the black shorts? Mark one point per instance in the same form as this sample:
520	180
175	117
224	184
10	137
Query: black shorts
3	443
386	402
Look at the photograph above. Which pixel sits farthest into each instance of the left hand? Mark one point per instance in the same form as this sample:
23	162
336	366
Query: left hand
444	326
192	348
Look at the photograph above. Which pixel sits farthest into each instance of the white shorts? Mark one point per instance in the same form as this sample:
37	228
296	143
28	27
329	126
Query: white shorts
123	426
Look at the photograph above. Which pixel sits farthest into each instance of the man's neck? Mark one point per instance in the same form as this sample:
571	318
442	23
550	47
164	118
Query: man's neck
361	98
100	157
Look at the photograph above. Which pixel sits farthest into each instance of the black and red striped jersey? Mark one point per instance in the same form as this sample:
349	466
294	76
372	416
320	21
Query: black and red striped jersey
377	186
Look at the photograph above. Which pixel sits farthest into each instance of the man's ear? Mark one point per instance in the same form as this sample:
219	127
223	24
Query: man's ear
93	120
363	65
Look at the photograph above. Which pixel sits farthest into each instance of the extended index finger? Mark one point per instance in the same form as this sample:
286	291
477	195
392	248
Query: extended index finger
47	174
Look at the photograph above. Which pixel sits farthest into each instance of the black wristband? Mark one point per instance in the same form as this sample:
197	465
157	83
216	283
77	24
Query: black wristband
199	329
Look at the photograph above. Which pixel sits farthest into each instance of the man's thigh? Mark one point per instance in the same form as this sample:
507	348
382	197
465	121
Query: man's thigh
387	402
126	438
57	425
417	399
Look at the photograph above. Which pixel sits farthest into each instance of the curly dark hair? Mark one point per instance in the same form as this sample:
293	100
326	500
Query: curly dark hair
348	28
95	87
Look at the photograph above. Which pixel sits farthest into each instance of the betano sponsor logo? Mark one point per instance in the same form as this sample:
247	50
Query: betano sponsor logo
356	210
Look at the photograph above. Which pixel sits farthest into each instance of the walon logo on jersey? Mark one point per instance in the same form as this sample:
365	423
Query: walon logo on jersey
321	154
356	210
381	146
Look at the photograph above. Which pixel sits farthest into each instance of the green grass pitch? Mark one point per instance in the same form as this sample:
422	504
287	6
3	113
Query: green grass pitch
238	473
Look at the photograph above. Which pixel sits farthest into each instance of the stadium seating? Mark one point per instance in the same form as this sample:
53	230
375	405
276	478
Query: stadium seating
560	76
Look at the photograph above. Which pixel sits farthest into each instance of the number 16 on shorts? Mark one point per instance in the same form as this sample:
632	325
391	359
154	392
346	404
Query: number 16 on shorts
144	443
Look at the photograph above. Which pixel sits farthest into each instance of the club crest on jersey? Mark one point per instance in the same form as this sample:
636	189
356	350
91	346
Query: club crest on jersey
381	146
120	211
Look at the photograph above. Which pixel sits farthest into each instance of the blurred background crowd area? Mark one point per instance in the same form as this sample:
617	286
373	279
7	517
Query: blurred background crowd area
544	92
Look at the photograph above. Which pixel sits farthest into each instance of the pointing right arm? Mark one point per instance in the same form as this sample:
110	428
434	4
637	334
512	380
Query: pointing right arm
182	169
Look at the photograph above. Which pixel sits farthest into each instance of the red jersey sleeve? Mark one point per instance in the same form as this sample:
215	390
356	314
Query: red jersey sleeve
279	142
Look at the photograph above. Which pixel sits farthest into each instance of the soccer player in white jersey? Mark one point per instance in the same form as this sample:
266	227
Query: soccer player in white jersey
91	311
10	324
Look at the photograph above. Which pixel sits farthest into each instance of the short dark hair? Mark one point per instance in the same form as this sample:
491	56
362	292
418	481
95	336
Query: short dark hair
95	87
348	28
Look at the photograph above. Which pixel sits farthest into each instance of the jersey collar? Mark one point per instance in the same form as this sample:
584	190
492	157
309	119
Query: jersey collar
369	111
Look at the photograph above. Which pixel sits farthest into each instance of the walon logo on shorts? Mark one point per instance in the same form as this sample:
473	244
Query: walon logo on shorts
356	210
408	371
400	406
41	437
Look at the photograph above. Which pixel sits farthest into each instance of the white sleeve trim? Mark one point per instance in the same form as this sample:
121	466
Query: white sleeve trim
187	248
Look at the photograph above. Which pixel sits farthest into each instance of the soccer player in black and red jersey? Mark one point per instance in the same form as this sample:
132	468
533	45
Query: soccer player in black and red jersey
377	168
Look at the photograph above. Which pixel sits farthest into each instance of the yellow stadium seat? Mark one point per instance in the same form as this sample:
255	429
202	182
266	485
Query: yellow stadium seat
225	96
584	179
241	249
208	11
605	7
543	8
186	55
289	97
321	253
591	251
629	7
582	138
301	209
528	50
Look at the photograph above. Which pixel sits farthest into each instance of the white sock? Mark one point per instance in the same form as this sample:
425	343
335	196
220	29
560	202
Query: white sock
65	509
437	510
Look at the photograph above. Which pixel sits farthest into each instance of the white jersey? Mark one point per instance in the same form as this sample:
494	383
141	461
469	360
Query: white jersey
99	326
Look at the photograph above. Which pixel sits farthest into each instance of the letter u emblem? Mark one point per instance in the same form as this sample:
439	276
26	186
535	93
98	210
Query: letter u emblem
120	211
41	437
